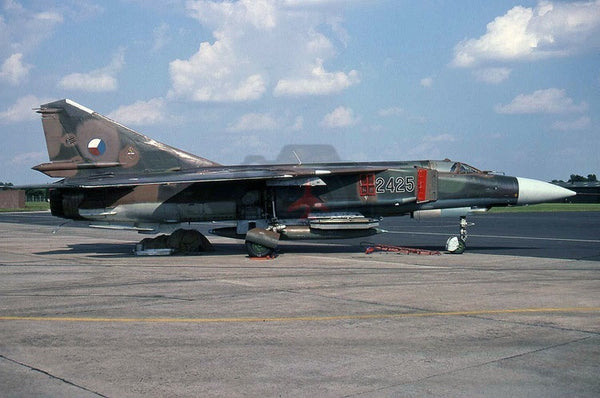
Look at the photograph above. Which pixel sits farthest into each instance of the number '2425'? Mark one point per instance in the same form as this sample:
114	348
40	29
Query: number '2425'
395	184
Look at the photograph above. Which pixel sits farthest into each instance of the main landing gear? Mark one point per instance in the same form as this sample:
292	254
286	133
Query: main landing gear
457	244
258	250
261	242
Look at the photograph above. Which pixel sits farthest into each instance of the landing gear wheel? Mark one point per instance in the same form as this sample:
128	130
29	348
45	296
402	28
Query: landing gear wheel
261	242
258	250
455	245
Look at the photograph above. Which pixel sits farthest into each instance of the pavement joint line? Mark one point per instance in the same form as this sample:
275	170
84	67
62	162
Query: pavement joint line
462	369
499	236
302	318
39	370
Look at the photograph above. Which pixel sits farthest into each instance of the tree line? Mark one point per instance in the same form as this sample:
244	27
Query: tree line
578	178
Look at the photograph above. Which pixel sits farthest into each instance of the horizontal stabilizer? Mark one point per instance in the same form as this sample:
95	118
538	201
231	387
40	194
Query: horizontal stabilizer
70	168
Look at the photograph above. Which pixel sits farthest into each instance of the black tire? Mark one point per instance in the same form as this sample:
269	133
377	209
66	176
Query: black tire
258	250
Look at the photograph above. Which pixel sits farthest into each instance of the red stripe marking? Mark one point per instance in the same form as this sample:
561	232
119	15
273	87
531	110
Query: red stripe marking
421	185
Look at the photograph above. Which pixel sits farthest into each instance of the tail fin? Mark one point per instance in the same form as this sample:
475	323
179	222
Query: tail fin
82	142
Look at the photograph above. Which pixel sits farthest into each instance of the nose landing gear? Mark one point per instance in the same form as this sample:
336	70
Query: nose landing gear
457	244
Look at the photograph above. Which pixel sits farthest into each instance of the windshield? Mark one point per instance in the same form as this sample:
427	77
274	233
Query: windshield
463	168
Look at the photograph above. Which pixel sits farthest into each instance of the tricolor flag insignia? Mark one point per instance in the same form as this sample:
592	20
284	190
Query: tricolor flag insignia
96	147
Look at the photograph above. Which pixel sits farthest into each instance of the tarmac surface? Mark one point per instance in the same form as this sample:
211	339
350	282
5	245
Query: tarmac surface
80	316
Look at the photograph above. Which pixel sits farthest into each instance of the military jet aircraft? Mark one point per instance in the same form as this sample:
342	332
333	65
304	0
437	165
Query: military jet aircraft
116	178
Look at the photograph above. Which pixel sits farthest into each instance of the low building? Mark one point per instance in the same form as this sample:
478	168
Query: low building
12	199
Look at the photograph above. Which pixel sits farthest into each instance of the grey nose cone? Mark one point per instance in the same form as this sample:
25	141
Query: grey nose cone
534	191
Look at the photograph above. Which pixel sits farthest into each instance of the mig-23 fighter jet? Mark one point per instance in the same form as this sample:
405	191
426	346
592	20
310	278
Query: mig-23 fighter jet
116	178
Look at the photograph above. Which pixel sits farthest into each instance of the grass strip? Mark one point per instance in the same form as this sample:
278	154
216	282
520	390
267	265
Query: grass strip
548	207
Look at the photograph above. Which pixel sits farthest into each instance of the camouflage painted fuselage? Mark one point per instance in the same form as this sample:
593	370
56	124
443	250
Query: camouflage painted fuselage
117	178
392	192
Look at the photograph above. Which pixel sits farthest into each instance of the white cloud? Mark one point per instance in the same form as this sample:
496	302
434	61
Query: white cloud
22	110
12	5
303	3
98	80
547	30
318	43
319	82
161	37
392	111
253	122
13	70
401	112
213	74
22	30
94	81
49	16
552	100
298	124
340	117
140	112
432	146
492	75
258	44
29	158
507	37
439	138
582	123
224	71
261	14
427	82
81	10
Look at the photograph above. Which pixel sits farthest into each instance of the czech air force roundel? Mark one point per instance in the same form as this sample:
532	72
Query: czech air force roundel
96	147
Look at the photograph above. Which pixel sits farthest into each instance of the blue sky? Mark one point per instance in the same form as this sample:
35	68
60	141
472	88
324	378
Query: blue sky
511	86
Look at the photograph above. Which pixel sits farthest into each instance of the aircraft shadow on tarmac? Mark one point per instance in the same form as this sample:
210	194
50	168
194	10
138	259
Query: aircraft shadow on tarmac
477	249
221	249
102	249
112	250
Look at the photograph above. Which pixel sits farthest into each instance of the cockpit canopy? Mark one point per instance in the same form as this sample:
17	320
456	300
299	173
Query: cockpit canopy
463	168
448	166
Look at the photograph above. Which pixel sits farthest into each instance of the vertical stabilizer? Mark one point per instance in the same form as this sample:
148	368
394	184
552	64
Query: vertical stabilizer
83	142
